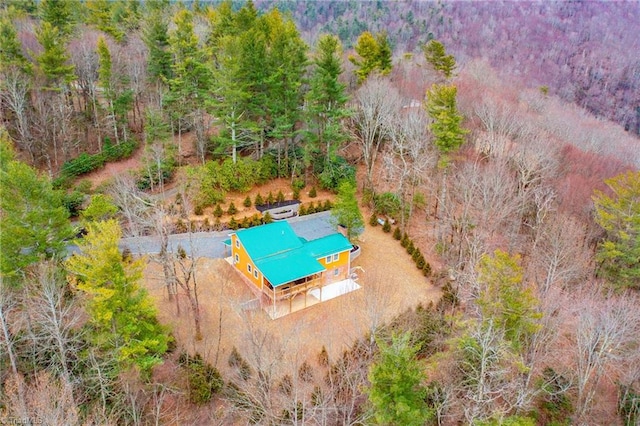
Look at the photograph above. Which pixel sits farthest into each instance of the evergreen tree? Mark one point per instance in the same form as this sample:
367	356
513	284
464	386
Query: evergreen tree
53	61
619	215
100	14
346	211
59	14
11	55
446	120
327	98
396	393
374	55
436	55
287	59
34	224
504	300
122	316
156	38
191	82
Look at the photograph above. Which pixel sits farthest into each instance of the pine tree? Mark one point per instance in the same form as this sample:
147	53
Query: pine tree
59	14
436	55
34	224
11	55
122	316
446	120
396	393
619	215
53	61
505	300
346	211
327	98
374	55
156	38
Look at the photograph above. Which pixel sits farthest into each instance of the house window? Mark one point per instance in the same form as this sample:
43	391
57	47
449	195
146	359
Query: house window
255	273
237	260
336	272
336	256
248	268
237	242
327	259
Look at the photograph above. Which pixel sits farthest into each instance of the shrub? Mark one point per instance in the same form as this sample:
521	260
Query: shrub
198	210
217	212
336	171
270	200
426	269
387	204
397	235
296	194
313	193
305	372
328	205
410	247
280	197
416	255
387	226
404	242
204	380
84	186
297	184
302	210
259	201
236	361
373	220
246	222
233	224
232	209
323	357
247	202
266	219
312	208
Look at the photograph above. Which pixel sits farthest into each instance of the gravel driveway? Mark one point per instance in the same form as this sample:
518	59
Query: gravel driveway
209	244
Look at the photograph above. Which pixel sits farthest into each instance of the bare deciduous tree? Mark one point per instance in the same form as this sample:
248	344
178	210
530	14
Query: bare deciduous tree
375	102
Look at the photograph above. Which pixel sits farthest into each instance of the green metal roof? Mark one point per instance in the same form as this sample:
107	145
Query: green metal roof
281	256
334	243
267	240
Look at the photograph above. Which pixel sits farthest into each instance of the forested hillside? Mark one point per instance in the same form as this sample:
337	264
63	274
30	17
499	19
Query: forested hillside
583	51
456	143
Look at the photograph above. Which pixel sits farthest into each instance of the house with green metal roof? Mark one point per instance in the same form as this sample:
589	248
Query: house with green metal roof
281	266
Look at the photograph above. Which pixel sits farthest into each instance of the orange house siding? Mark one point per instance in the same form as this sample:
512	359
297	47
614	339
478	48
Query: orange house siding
243	261
341	264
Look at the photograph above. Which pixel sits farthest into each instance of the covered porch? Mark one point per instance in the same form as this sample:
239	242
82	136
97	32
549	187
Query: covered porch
290	299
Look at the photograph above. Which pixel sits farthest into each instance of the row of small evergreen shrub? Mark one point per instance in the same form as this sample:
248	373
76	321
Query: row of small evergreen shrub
85	163
406	242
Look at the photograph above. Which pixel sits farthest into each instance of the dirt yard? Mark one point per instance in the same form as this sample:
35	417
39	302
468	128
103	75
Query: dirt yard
390	284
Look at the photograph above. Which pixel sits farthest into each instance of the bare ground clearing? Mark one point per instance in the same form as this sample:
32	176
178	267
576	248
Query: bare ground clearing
390	284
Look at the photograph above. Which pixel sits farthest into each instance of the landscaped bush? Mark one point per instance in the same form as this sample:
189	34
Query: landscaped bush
313	193
247	202
296	194
233	224
198	210
387	204
232	209
373	220
217	212
204	380
259	200
266	219
397	235
270	199
387	226
328	205
280	197
236	360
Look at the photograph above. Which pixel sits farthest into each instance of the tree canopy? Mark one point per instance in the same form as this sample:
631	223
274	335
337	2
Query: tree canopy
619	215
